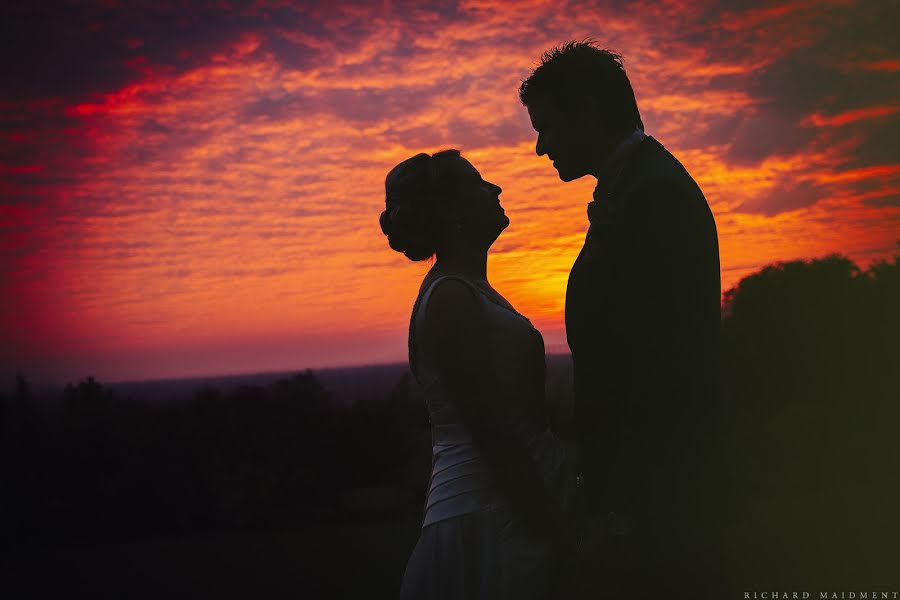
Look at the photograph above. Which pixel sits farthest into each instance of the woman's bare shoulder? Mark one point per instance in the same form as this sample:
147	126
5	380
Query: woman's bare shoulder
453	302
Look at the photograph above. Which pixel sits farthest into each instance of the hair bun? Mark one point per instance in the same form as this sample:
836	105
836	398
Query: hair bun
406	230
411	189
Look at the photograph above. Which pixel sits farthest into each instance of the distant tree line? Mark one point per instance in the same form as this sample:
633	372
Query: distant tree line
811	411
100	467
812	391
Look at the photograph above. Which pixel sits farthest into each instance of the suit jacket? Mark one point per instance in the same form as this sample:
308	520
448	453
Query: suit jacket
642	322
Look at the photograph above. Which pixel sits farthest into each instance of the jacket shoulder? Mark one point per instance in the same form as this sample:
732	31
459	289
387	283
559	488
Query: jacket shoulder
655	162
658	176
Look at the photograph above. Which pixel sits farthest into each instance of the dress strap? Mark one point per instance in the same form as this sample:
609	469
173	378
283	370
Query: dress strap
418	316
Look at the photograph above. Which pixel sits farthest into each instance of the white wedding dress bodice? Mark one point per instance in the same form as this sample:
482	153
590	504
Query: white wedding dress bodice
461	481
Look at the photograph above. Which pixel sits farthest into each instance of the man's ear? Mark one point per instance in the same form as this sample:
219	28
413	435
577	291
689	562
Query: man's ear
599	110
589	111
593	104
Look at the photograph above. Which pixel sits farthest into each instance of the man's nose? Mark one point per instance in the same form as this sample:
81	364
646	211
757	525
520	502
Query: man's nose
539	148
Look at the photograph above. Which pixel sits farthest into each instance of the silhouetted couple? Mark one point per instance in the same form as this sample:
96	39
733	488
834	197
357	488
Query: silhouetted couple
511	511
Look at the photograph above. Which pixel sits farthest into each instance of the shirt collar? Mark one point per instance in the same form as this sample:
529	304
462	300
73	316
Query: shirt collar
615	162
602	209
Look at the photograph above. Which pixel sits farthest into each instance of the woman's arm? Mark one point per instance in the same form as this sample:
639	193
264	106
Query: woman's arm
457	338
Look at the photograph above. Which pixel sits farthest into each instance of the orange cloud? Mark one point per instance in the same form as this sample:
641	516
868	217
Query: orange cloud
889	65
849	116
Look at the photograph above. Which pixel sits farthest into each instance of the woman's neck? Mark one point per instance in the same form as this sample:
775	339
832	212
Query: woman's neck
472	265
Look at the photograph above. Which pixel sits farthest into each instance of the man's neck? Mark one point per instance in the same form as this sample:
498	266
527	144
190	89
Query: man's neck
614	160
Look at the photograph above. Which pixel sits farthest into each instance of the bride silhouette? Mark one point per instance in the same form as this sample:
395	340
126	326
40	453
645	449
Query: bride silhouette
496	517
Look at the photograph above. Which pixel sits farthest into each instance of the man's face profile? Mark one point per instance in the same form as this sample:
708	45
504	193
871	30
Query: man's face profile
564	137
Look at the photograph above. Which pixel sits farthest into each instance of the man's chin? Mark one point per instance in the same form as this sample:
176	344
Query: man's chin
568	176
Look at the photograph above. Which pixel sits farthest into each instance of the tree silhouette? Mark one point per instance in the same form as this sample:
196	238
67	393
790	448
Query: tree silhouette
809	357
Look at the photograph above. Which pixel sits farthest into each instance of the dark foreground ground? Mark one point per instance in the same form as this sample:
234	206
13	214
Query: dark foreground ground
339	560
365	558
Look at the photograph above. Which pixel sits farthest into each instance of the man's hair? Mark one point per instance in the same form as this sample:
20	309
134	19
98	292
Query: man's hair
576	70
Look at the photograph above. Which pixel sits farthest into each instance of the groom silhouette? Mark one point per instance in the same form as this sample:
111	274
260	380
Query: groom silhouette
642	322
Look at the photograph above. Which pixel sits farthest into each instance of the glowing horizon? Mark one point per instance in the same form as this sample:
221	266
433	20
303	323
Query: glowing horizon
196	190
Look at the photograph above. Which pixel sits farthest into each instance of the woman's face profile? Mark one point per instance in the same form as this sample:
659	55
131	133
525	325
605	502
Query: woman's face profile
480	214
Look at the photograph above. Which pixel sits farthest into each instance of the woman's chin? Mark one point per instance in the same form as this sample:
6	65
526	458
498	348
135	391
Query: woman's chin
503	224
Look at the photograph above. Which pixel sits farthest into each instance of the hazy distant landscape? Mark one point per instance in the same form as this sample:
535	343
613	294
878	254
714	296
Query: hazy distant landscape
311	483
346	384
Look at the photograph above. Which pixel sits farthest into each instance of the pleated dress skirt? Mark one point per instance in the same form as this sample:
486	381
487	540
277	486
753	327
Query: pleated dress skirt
479	556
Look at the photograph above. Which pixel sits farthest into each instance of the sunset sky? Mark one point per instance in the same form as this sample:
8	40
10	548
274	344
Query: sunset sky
194	189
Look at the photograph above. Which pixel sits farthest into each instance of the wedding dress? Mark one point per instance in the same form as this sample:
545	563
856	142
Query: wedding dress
473	544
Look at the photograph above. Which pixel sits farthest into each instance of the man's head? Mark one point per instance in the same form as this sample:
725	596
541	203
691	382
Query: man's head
581	105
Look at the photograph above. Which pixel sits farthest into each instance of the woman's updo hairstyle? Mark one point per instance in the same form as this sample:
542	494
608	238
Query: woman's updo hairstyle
413	190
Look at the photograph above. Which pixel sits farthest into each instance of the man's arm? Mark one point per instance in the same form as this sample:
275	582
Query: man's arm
668	243
679	479
665	233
